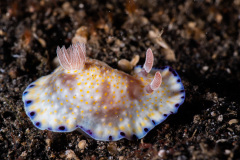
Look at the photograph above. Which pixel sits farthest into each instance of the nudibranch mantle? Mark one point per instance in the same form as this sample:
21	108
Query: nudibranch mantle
105	103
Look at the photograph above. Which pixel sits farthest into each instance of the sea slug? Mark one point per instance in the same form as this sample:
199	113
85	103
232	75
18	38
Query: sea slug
104	103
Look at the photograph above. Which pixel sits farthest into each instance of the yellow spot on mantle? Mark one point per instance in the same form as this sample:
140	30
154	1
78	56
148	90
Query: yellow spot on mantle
122	127
139	128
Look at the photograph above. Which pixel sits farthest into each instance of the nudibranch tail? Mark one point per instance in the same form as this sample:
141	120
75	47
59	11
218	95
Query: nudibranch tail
72	58
105	103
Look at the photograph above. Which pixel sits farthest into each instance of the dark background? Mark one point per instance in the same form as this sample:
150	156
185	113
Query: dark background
203	35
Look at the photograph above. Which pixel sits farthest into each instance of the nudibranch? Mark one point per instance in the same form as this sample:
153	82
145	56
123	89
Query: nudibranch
103	103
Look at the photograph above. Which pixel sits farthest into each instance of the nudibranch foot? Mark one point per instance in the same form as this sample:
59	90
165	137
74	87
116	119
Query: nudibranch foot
104	103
